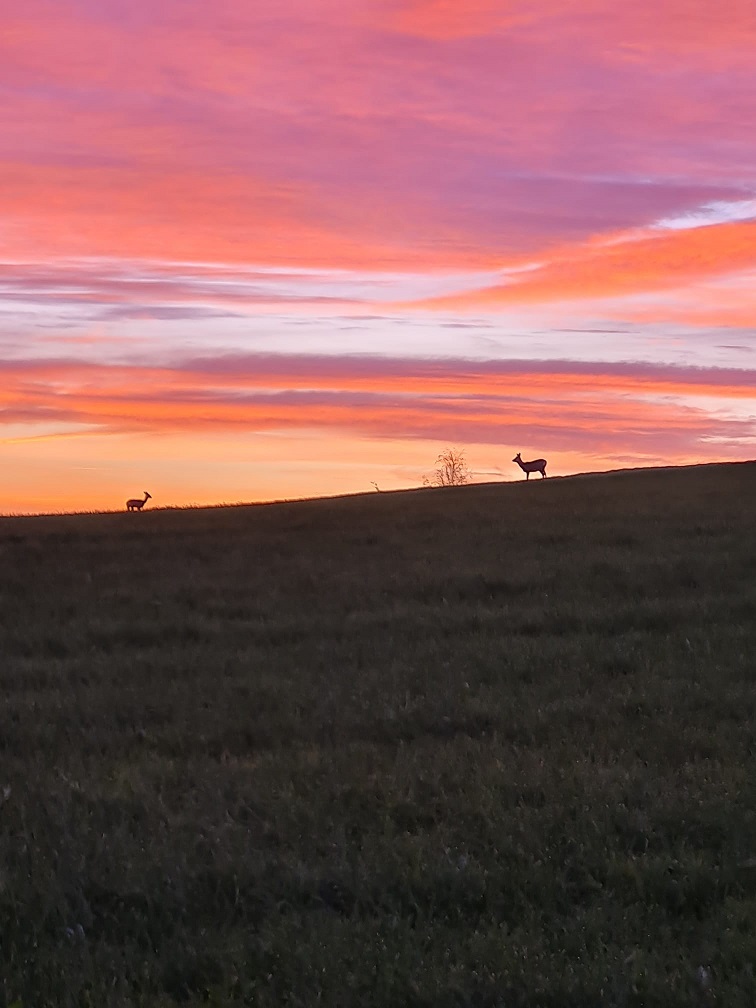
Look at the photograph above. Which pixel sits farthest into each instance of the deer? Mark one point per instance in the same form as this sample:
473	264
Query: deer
537	465
135	504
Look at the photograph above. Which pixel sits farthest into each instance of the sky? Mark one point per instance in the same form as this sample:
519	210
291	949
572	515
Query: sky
290	248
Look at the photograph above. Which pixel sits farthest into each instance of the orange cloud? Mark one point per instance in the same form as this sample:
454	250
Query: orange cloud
629	265
376	398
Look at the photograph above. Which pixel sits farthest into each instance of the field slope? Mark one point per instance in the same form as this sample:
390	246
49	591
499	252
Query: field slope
487	746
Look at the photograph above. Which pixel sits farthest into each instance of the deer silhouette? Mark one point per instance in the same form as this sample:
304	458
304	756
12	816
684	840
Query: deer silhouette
537	465
135	504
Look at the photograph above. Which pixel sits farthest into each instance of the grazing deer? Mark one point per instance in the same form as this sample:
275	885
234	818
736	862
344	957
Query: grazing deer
135	504
537	465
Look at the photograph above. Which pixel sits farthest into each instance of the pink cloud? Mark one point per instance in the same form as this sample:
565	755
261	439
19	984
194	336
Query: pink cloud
557	163
330	137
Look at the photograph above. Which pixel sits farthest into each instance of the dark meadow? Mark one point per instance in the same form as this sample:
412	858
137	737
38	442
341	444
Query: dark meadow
482	746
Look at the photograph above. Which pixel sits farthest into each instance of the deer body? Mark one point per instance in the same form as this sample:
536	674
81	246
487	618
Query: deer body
537	465
135	504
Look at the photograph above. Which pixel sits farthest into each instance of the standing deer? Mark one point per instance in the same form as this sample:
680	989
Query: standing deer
537	465
135	504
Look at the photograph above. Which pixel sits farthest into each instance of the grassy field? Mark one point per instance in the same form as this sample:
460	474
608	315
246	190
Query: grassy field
486	746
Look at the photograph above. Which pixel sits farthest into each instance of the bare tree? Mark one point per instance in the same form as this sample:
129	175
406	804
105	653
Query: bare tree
451	469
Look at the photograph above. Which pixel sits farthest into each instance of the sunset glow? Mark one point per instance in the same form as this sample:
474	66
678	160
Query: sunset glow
253	251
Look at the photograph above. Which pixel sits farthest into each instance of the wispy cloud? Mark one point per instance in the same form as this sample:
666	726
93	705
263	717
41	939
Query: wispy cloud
719	212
